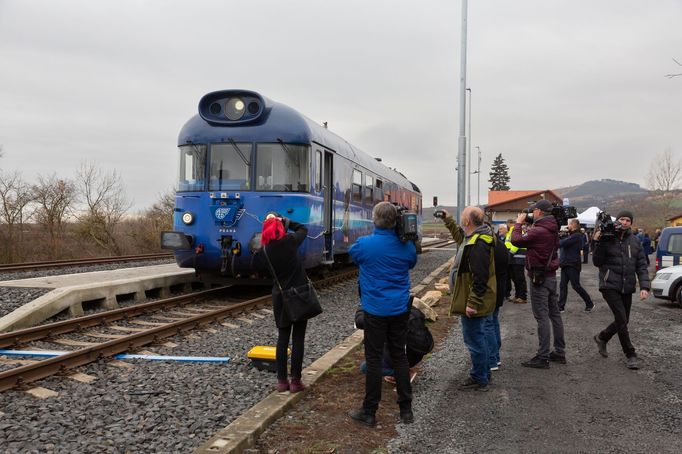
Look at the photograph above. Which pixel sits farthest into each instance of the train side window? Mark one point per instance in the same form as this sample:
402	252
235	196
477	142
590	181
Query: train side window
369	190
357	186
192	168
379	190
282	167
318	171
414	206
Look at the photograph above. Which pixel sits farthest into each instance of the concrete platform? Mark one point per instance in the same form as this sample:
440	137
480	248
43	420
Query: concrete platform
98	288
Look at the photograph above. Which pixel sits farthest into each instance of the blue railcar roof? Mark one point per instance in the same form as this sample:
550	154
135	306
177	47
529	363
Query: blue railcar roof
281	122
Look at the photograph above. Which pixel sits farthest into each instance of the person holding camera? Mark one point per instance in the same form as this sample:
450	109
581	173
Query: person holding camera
384	280
474	292
542	261
517	261
570	264
281	253
621	261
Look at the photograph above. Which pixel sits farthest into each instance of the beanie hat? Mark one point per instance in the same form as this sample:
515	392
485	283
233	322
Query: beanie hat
273	229
625	214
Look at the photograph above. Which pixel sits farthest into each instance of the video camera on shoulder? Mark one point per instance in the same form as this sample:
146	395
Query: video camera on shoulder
406	224
607	226
561	213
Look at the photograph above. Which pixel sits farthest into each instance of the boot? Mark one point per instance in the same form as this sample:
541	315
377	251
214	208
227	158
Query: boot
282	385
296	385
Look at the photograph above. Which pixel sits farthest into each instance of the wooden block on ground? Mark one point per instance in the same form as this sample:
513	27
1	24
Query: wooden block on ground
42	393
83	378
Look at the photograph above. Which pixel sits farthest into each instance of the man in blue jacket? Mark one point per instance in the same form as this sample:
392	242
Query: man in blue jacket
384	263
571	265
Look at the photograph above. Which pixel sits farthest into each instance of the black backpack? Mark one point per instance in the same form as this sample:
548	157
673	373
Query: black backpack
419	338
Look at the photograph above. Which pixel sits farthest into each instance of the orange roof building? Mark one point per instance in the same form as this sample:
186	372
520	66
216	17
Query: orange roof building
503	205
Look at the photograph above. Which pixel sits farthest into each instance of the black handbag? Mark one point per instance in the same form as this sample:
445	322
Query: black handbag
301	302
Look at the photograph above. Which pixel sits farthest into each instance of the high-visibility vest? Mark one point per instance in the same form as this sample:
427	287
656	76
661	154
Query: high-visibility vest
515	251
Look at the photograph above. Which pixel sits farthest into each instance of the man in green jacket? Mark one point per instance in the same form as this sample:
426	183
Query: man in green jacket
475	287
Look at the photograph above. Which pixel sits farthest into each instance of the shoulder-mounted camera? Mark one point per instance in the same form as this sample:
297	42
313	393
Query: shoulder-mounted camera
607	226
561	213
406	224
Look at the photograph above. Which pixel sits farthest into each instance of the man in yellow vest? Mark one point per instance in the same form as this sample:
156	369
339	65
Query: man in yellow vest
517	262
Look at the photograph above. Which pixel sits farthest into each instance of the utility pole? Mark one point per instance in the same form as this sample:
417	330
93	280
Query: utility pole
469	153
461	154
479	176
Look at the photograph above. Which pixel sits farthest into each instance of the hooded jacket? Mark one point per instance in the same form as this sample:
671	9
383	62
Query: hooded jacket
619	261
541	240
475	282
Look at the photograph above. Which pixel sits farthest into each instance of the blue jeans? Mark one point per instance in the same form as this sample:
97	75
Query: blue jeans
493	338
473	330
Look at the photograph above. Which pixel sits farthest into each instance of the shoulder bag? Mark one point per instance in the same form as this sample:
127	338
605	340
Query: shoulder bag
300	303
537	274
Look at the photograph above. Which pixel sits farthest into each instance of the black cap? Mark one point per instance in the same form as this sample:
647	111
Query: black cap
542	205
625	214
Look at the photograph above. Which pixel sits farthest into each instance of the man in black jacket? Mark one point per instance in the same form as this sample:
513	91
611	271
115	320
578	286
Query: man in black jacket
570	264
619	261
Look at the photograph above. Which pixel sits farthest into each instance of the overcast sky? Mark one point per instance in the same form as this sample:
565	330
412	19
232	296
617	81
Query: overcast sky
567	91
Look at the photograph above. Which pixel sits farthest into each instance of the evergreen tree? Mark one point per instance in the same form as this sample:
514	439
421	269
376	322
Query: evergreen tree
499	175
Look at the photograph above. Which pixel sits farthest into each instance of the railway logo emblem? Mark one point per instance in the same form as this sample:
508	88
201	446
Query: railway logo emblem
221	213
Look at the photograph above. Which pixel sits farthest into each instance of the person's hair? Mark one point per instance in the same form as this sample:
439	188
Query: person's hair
574	222
476	217
384	215
511	221
273	229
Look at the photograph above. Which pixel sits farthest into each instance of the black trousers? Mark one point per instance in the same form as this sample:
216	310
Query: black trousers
572	274
620	304
297	345
586	253
392	332
518	275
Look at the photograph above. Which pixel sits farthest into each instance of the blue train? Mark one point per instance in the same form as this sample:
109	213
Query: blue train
244	156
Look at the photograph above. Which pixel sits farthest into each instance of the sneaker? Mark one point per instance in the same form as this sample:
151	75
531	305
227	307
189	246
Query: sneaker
296	385
389	379
632	363
602	346
470	383
520	301
407	417
561	311
363	417
413	373
589	307
557	358
536	363
495	368
282	385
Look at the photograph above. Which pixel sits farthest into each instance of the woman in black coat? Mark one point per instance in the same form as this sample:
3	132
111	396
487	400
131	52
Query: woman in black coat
281	251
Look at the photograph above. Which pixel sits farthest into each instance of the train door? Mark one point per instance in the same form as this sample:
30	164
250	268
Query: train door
328	209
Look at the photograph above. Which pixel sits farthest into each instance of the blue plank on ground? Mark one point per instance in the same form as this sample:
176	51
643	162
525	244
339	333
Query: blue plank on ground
200	359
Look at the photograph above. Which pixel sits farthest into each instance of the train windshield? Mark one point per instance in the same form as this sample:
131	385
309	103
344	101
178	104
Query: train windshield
229	166
282	167
192	168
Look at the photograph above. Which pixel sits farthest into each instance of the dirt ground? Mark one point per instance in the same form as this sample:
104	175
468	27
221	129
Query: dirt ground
591	404
319	424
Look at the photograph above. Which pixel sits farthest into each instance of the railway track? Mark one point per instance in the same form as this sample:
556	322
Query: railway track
178	323
75	262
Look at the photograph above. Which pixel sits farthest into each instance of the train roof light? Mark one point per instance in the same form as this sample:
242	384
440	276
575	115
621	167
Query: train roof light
232	107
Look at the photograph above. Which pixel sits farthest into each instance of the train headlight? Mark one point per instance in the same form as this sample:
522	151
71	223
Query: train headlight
188	218
235	108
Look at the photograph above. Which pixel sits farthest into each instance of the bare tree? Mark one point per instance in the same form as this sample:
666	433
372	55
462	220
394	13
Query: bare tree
145	231
670	76
665	172
15	195
103	194
54	198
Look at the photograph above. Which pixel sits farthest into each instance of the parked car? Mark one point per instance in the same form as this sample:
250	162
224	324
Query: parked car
667	284
669	249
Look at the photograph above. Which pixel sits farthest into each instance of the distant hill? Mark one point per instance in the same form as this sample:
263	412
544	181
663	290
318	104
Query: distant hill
601	193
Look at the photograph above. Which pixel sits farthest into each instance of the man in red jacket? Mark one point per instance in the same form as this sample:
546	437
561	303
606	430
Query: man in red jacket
542	261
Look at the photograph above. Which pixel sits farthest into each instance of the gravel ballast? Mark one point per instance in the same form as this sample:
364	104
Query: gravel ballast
172	407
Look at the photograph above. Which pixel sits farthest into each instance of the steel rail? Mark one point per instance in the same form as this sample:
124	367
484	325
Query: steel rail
86	261
45	368
34	333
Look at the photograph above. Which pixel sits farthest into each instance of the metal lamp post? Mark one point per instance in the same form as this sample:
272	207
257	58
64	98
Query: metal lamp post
469	152
478	171
461	152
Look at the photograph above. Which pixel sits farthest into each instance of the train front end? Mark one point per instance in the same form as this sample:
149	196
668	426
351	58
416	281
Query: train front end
239	160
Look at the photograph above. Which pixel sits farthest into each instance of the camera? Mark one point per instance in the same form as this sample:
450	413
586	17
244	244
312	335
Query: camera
406	224
607	226
440	214
561	213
